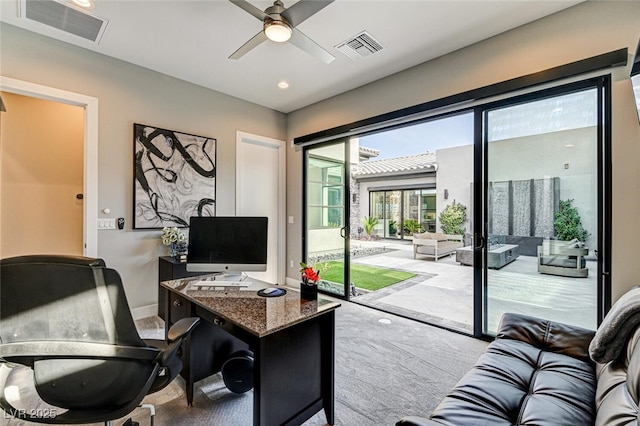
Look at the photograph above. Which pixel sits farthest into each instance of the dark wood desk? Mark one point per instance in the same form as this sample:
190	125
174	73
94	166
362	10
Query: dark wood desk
292	341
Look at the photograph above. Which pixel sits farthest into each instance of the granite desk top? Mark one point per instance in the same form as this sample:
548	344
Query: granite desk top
244	307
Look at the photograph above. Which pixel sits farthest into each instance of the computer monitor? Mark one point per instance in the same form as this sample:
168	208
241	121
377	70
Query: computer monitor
227	244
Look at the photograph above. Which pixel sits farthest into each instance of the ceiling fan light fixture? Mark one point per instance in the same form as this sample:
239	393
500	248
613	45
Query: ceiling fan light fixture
277	31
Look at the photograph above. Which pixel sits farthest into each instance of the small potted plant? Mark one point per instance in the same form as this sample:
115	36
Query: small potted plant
175	239
309	284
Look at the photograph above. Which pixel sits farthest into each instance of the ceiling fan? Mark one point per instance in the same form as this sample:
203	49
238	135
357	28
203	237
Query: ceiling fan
279	24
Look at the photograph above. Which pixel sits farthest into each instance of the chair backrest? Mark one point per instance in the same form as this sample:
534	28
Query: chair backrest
59	303
63	298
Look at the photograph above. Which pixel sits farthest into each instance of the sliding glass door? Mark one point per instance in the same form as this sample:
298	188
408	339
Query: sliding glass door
326	218
543	195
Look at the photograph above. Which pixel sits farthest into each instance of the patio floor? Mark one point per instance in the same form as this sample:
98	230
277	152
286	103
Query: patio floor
442	292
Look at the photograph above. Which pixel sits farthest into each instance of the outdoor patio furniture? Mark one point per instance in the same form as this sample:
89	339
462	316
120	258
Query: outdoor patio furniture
498	255
435	245
563	258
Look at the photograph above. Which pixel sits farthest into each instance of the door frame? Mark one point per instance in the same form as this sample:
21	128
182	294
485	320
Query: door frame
602	84
281	166
90	184
345	231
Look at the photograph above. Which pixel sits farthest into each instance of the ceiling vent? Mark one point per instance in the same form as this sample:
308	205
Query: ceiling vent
359	46
64	17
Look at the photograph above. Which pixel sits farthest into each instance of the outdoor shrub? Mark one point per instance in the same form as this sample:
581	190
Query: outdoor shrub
411	226
452	218
568	225
369	223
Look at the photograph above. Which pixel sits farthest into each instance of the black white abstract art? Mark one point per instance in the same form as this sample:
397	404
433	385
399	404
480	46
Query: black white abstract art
175	177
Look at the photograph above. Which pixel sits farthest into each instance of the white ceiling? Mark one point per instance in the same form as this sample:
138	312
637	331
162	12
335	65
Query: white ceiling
191	40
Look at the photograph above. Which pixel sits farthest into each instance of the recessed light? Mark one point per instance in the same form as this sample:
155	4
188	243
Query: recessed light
384	321
87	4
557	110
569	145
283	84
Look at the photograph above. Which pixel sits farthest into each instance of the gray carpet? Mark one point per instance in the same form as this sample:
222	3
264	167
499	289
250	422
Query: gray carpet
384	370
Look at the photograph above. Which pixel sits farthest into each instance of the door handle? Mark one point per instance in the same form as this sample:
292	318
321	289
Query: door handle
480	242
343	232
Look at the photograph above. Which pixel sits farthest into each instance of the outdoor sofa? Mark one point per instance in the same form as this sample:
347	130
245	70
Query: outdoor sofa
435	244
540	372
564	258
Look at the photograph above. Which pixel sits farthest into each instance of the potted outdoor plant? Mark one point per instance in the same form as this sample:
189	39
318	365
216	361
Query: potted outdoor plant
568	224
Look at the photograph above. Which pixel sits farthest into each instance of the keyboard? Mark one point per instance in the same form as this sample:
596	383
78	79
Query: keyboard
220	283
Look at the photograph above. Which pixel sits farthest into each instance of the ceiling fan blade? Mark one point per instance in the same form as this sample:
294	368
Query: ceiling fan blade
249	8
300	40
299	12
245	48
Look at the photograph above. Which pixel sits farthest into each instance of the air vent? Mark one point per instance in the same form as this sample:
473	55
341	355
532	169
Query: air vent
63	17
360	46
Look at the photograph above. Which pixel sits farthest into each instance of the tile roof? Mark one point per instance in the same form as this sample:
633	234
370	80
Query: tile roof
410	164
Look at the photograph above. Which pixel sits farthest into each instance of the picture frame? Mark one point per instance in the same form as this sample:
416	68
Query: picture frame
174	177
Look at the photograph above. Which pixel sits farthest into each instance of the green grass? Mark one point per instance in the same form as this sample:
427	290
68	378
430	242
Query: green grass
363	276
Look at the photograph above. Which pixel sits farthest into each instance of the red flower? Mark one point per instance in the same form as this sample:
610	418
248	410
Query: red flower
309	274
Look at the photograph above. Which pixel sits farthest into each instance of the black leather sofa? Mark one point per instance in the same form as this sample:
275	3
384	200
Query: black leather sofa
539	372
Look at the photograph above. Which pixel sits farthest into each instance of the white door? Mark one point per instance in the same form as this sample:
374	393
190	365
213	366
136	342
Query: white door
260	180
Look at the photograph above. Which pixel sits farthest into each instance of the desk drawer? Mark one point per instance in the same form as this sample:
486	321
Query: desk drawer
179	308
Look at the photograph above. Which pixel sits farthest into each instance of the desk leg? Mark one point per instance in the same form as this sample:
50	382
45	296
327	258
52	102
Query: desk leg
328	365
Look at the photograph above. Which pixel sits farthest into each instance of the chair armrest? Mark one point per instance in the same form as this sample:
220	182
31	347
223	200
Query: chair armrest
454	237
548	335
416	421
73	349
181	329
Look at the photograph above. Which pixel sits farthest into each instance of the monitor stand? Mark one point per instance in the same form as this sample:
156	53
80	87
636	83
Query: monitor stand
230	276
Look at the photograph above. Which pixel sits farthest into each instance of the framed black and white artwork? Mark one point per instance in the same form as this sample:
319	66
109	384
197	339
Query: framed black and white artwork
174	177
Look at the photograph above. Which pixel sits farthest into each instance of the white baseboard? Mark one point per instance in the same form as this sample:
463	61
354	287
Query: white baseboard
144	311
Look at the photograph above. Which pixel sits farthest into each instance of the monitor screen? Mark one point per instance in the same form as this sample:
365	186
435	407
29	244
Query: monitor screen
221	244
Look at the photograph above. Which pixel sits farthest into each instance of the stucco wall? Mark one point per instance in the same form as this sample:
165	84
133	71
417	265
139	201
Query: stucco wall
585	30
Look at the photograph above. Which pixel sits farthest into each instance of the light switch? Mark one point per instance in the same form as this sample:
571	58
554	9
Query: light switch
290	219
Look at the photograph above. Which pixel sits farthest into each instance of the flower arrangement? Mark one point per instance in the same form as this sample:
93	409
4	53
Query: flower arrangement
310	276
172	236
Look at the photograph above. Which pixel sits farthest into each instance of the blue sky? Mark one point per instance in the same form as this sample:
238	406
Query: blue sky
420	138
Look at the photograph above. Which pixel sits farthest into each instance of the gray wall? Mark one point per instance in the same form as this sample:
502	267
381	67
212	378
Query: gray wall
585	30
128	94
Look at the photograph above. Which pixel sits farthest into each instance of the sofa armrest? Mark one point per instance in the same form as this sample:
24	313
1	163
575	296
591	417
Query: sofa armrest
454	237
548	335
416	421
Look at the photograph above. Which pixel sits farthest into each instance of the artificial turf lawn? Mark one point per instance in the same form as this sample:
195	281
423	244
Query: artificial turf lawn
363	276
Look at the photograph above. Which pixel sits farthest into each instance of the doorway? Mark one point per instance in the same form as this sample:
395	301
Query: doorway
90	159
525	162
260	191
42	177
545	161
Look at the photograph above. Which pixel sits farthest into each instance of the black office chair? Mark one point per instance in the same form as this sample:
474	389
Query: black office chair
67	319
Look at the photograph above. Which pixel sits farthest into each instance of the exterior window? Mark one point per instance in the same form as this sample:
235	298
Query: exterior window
404	212
325	192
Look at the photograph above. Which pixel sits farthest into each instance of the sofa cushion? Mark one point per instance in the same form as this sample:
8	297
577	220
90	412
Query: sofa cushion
536	372
563	261
424	235
439	236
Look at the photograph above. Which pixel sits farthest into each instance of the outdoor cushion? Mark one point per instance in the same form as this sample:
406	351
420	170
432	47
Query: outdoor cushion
424	235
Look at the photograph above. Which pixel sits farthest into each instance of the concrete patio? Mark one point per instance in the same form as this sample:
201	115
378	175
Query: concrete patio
442	292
